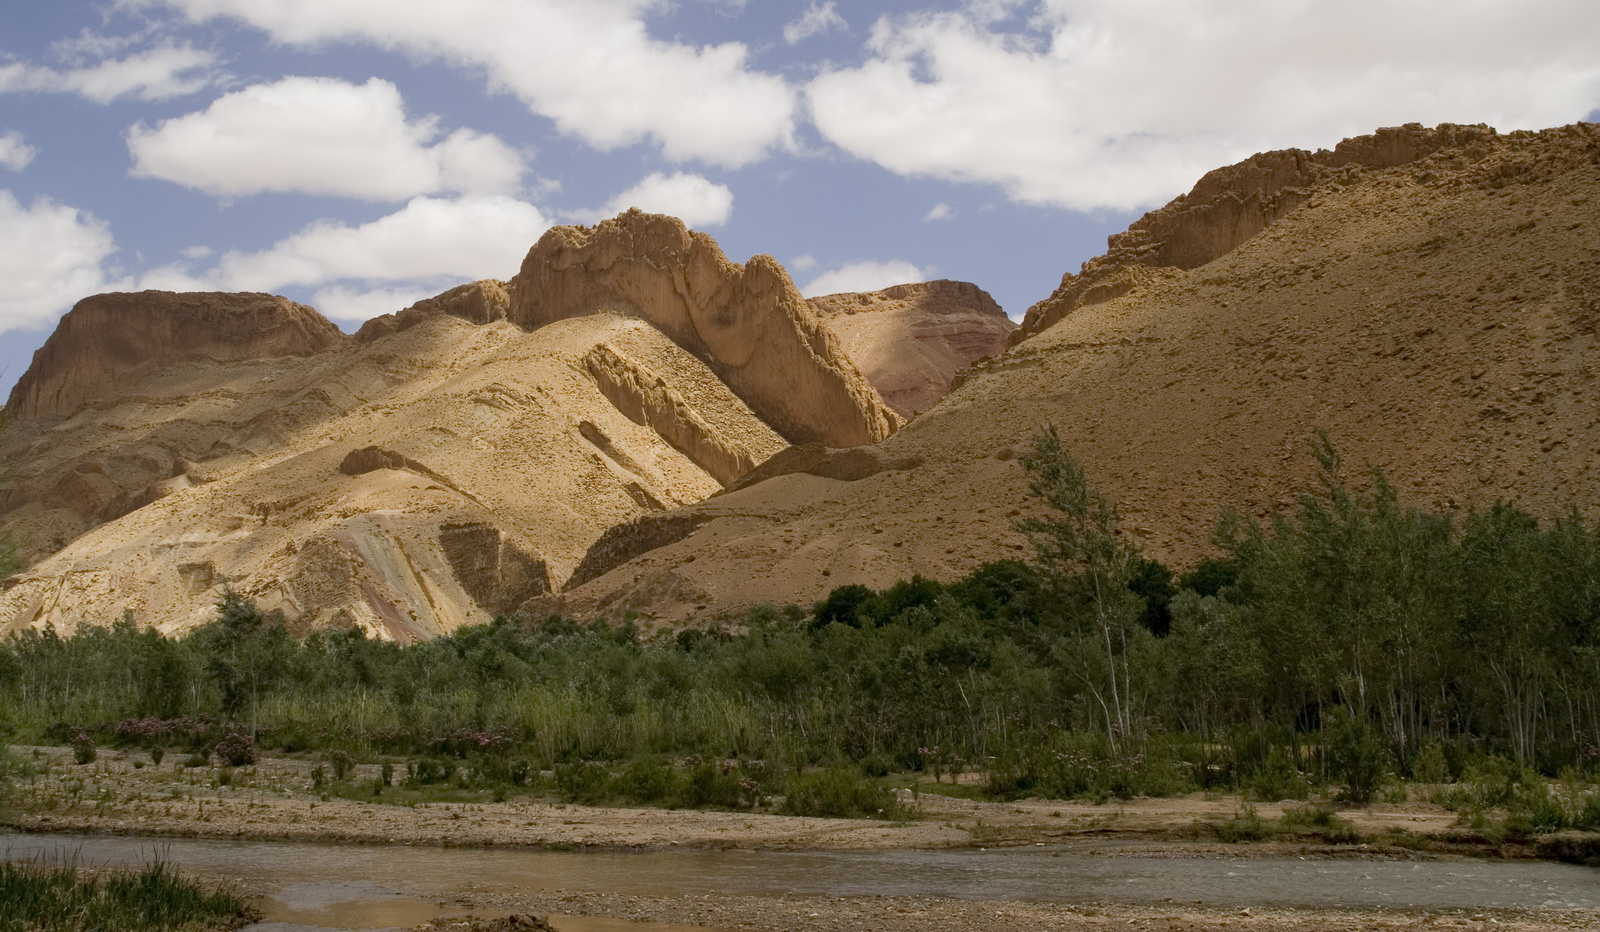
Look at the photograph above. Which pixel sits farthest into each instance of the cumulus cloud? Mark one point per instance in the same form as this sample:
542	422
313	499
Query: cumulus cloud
589	65
166	71
320	136
696	201
816	20
940	212
15	153
865	276
429	241
1098	103
51	255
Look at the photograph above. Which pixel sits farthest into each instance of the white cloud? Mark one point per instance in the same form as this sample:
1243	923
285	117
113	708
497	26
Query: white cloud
802	263
51	255
320	136
589	65
816	20
939	212
428	240
696	201
160	73
1099	103
358	304
865	276
15	153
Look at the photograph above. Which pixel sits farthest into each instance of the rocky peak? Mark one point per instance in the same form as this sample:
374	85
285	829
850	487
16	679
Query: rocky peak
1230	205
748	323
107	339
911	340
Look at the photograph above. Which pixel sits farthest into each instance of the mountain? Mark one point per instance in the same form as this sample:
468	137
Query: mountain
444	464
1429	297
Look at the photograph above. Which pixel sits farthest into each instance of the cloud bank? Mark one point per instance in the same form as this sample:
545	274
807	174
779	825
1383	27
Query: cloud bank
865	276
321	136
589	65
1090	104
51	255
166	71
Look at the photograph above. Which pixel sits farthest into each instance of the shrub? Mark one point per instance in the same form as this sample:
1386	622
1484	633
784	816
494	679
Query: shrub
839	792
235	750
1356	753
1246	825
83	747
342	763
1277	779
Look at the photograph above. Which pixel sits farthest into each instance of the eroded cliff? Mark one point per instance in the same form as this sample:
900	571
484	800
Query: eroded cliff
748	323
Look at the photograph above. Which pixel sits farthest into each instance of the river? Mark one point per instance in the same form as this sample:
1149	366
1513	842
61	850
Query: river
324	886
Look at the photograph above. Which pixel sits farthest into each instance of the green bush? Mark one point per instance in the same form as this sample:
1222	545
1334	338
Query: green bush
1245	825
38	896
839	792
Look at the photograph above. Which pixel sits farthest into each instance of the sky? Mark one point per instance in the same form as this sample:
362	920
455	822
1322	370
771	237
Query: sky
359	155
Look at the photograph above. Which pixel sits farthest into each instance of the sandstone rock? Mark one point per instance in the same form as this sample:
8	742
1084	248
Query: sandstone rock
911	340
434	476
107	340
748	323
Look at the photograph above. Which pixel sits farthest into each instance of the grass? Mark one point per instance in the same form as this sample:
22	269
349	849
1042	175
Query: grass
40	896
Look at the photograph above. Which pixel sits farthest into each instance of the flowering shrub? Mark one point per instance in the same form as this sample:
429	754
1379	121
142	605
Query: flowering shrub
235	750
83	748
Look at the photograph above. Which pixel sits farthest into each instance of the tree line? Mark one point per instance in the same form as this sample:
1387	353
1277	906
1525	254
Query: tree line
1350	641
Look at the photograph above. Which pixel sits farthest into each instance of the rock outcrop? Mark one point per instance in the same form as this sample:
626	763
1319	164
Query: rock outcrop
480	302
911	340
1231	205
108	340
748	323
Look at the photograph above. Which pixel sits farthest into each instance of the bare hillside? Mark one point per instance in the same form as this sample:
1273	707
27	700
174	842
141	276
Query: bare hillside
447	463
1428	296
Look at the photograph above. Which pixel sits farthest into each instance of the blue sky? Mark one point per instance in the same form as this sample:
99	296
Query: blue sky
359	154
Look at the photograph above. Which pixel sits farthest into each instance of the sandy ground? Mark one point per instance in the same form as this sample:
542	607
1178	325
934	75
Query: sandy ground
275	801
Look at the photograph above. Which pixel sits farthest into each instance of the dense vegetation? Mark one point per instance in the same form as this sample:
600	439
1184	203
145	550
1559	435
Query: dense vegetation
38	896
1352	643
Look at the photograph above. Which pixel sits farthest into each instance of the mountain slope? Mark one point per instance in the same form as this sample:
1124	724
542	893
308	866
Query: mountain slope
1436	314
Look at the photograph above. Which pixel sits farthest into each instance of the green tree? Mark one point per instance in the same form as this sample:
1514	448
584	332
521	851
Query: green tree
1080	552
246	653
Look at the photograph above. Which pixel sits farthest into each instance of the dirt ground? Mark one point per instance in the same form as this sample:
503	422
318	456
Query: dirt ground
276	801
122	793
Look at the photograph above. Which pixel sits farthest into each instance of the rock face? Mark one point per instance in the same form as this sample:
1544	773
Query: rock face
108	340
1439	316
433	476
911	340
1230	205
748	323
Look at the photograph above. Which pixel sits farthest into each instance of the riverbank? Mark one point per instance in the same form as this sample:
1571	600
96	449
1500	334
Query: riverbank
279	799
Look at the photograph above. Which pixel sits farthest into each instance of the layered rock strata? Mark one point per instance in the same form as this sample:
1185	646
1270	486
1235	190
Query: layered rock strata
748	323
911	340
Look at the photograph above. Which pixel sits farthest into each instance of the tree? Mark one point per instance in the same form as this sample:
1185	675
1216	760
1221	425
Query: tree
1079	551
247	652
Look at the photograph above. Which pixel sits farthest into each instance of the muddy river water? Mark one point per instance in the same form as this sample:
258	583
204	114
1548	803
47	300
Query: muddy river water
367	887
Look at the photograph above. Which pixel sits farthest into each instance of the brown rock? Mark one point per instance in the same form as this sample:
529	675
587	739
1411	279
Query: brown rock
1439	317
107	340
748	323
1231	205
911	340
479	302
